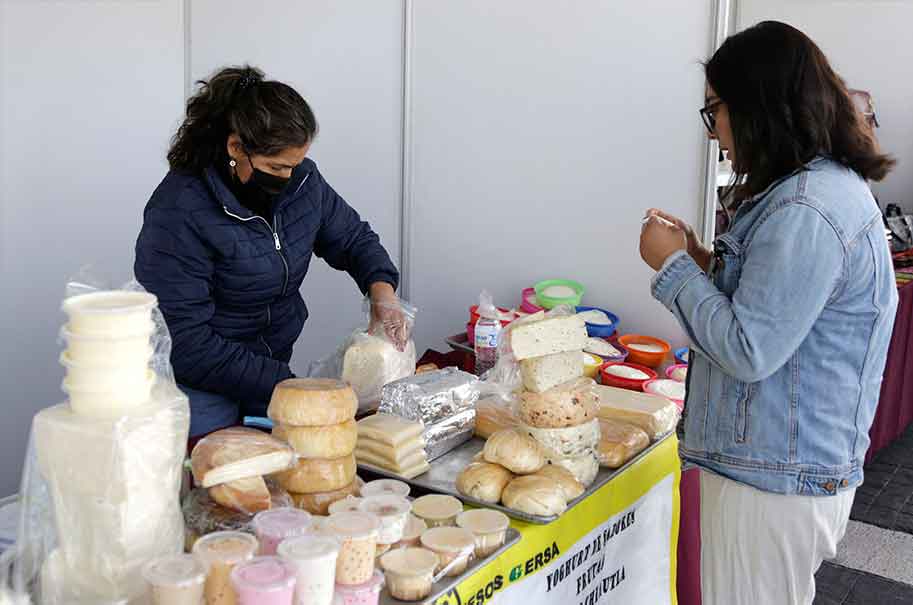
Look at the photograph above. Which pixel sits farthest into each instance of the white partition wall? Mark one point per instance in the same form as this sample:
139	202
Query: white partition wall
89	94
541	134
345	58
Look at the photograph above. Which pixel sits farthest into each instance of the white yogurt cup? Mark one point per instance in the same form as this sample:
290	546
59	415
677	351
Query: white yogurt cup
106	350
95	402
393	512
110	313
103	377
314	558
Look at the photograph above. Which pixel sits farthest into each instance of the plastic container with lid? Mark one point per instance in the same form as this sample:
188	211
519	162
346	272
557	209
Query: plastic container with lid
175	580
672	390
219	552
677	372
412	534
616	375
366	593
437	510
489	528
113	375
314	559
454	546
274	526
409	572
530	304
385	487
107	403
357	531
682	355
349	504
645	350
591	364
600	330
393	512
106	350
264	581
554	292
114	313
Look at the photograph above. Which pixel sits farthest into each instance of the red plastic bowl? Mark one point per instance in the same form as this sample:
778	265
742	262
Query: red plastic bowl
631	384
474	315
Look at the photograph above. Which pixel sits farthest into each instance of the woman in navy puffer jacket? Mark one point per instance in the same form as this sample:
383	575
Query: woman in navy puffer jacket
228	236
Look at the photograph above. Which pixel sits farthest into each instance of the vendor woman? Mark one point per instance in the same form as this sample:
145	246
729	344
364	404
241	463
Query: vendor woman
228	237
789	315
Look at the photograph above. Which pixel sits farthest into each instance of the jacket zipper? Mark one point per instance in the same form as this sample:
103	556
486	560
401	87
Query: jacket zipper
743	414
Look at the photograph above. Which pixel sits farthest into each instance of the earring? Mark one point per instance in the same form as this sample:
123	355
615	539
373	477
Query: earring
232	163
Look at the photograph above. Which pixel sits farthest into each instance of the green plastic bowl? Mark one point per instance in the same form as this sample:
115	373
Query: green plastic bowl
549	302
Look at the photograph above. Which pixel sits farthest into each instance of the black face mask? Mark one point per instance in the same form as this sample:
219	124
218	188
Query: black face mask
269	183
260	190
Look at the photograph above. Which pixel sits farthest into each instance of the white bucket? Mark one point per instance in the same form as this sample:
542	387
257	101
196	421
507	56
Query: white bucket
105	350
96	402
112	313
112	376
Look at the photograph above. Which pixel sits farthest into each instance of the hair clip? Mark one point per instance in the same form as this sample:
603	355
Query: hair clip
247	80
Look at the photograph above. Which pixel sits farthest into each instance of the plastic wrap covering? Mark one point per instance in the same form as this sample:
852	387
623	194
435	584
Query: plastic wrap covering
202	516
494	414
619	442
377	353
100	488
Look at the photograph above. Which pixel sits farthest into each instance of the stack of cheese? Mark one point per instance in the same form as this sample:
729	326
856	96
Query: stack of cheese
392	443
513	469
557	407
629	421
317	418
231	464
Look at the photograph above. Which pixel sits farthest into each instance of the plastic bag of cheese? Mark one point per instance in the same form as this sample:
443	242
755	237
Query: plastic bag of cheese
654	414
377	353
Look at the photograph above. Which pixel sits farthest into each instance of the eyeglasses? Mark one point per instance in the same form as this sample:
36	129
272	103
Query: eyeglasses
708	115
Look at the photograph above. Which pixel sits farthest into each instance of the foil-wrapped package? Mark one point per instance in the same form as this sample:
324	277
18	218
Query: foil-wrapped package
443	401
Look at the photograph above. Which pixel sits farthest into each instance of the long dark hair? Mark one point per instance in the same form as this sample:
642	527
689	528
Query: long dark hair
268	116
787	106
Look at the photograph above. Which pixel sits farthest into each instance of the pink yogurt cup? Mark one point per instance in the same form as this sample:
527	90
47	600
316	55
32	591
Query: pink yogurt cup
274	526
264	581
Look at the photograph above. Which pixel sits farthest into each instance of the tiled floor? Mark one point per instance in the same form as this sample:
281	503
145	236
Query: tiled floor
841	586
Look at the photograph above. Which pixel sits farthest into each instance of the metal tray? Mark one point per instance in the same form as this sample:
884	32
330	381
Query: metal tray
446	584
460	342
442	478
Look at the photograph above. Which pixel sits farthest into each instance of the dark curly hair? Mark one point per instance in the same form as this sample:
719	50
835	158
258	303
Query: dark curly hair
268	116
787	106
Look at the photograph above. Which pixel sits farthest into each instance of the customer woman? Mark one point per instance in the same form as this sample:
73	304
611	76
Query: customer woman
228	237
789	317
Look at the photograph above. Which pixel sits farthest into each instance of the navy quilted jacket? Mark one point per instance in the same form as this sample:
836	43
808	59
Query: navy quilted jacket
228	281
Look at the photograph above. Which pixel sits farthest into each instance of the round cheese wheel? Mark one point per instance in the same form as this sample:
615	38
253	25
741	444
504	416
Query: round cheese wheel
564	479
312	402
515	450
318	475
584	468
319	503
561	407
571	441
534	495
483	481
333	441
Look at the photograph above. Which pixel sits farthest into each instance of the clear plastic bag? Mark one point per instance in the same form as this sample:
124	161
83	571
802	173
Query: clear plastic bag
203	516
377	353
619	442
99	496
239	453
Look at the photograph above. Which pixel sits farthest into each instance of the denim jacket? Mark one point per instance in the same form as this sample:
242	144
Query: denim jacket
789	332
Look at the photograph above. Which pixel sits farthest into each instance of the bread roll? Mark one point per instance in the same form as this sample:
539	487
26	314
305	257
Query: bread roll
244	495
566	405
492	416
319	503
619	442
312	402
316	475
568	442
483	481
584	468
564	479
238	453
514	450
534	495
333	441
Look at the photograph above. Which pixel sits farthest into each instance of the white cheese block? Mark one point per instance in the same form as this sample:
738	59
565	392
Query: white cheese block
595	317
567	442
598	346
547	337
393	455
626	372
584	467
654	414
370	363
389	429
542	373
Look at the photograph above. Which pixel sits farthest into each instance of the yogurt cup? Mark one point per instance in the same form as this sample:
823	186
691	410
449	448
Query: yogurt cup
112	313
358	534
219	553
393	512
385	487
264	581
175	580
366	593
107	350
349	504
452	545
409	572
314	559
95	402
274	526
412	533
437	510
112	376
489	527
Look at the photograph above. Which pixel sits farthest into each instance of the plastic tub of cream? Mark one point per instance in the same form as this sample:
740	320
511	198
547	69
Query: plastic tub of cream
219	553
358	534
264	581
554	292
677	372
106	350
95	402
489	528
385	487
349	504
672	390
454	547
591	364
274	526
409	572
113	376
112	313
530	303
175	580
314	558
412	534
437	510
367	593
393	512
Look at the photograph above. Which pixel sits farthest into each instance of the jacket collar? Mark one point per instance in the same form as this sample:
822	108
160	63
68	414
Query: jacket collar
230	203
